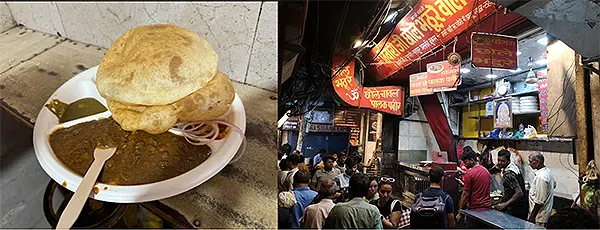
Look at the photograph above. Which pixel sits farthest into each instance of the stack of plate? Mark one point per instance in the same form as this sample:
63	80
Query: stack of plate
516	105
528	104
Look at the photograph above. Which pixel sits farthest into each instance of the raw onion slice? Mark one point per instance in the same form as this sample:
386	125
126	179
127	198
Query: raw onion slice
206	131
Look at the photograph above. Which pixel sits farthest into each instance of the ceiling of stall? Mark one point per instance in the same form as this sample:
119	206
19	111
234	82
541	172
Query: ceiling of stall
324	29
528	47
576	23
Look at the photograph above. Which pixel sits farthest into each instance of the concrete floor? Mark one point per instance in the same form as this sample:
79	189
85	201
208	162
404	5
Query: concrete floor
22	180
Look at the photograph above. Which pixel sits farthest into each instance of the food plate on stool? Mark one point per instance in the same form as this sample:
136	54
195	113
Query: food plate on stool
83	86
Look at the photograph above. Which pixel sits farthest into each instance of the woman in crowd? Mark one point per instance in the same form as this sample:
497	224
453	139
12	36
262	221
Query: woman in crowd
373	189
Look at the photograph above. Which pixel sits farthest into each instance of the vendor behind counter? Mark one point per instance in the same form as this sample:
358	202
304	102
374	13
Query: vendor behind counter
514	199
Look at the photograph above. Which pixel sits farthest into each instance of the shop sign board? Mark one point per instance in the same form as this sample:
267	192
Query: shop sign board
290	126
388	99
373	127
542	76
344	83
443	75
427	26
493	51
346	118
418	85
503	116
322	128
354	136
444	89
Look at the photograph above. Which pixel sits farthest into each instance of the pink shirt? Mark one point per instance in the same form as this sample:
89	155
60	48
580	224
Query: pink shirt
315	214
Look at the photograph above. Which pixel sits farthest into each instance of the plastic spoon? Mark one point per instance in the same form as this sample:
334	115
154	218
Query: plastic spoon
73	209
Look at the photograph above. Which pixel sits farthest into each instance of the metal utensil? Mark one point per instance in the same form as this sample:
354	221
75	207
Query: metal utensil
73	209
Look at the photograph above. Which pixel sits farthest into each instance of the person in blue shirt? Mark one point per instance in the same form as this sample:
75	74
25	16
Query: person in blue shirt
318	158
304	197
436	174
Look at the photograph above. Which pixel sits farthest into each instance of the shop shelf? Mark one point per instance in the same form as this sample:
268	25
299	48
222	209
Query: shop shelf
529	113
483	101
514	114
546	144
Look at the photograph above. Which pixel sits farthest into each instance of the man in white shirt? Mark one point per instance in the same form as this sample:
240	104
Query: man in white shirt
328	171
340	162
315	214
343	180
284	169
293	161
541	193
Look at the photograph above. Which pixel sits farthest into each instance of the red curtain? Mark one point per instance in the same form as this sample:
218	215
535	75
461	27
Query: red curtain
439	125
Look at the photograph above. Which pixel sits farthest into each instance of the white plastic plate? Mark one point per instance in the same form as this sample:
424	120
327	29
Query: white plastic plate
82	86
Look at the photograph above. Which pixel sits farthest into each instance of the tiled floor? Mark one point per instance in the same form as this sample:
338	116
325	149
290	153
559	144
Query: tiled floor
22	180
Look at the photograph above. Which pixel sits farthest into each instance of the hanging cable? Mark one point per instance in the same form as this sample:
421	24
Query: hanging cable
567	77
322	90
367	31
388	36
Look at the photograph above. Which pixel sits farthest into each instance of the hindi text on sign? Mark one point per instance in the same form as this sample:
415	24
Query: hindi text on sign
442	74
418	84
427	26
493	51
389	99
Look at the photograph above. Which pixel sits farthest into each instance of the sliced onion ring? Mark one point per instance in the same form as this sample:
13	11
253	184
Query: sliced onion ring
195	132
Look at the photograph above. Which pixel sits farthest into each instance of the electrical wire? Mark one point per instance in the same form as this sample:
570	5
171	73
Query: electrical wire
388	36
567	168
568	77
316	42
565	74
322	90
369	30
381	21
352	27
357	22
338	32
294	87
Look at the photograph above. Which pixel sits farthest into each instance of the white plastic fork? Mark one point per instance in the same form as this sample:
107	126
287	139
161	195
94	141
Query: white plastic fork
73	209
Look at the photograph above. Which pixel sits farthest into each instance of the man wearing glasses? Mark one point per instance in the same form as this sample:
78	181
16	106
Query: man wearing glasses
389	207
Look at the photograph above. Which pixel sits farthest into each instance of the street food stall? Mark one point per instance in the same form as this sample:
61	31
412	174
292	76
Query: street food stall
486	78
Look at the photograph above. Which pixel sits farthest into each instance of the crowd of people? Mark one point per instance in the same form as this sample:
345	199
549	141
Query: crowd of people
331	192
533	205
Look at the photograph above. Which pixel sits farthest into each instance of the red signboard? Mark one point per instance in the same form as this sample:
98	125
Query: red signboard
543	95
389	99
427	26
344	84
418	85
493	51
442	75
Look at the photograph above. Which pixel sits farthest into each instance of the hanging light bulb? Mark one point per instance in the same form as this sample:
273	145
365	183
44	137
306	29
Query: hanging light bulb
357	44
531	78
